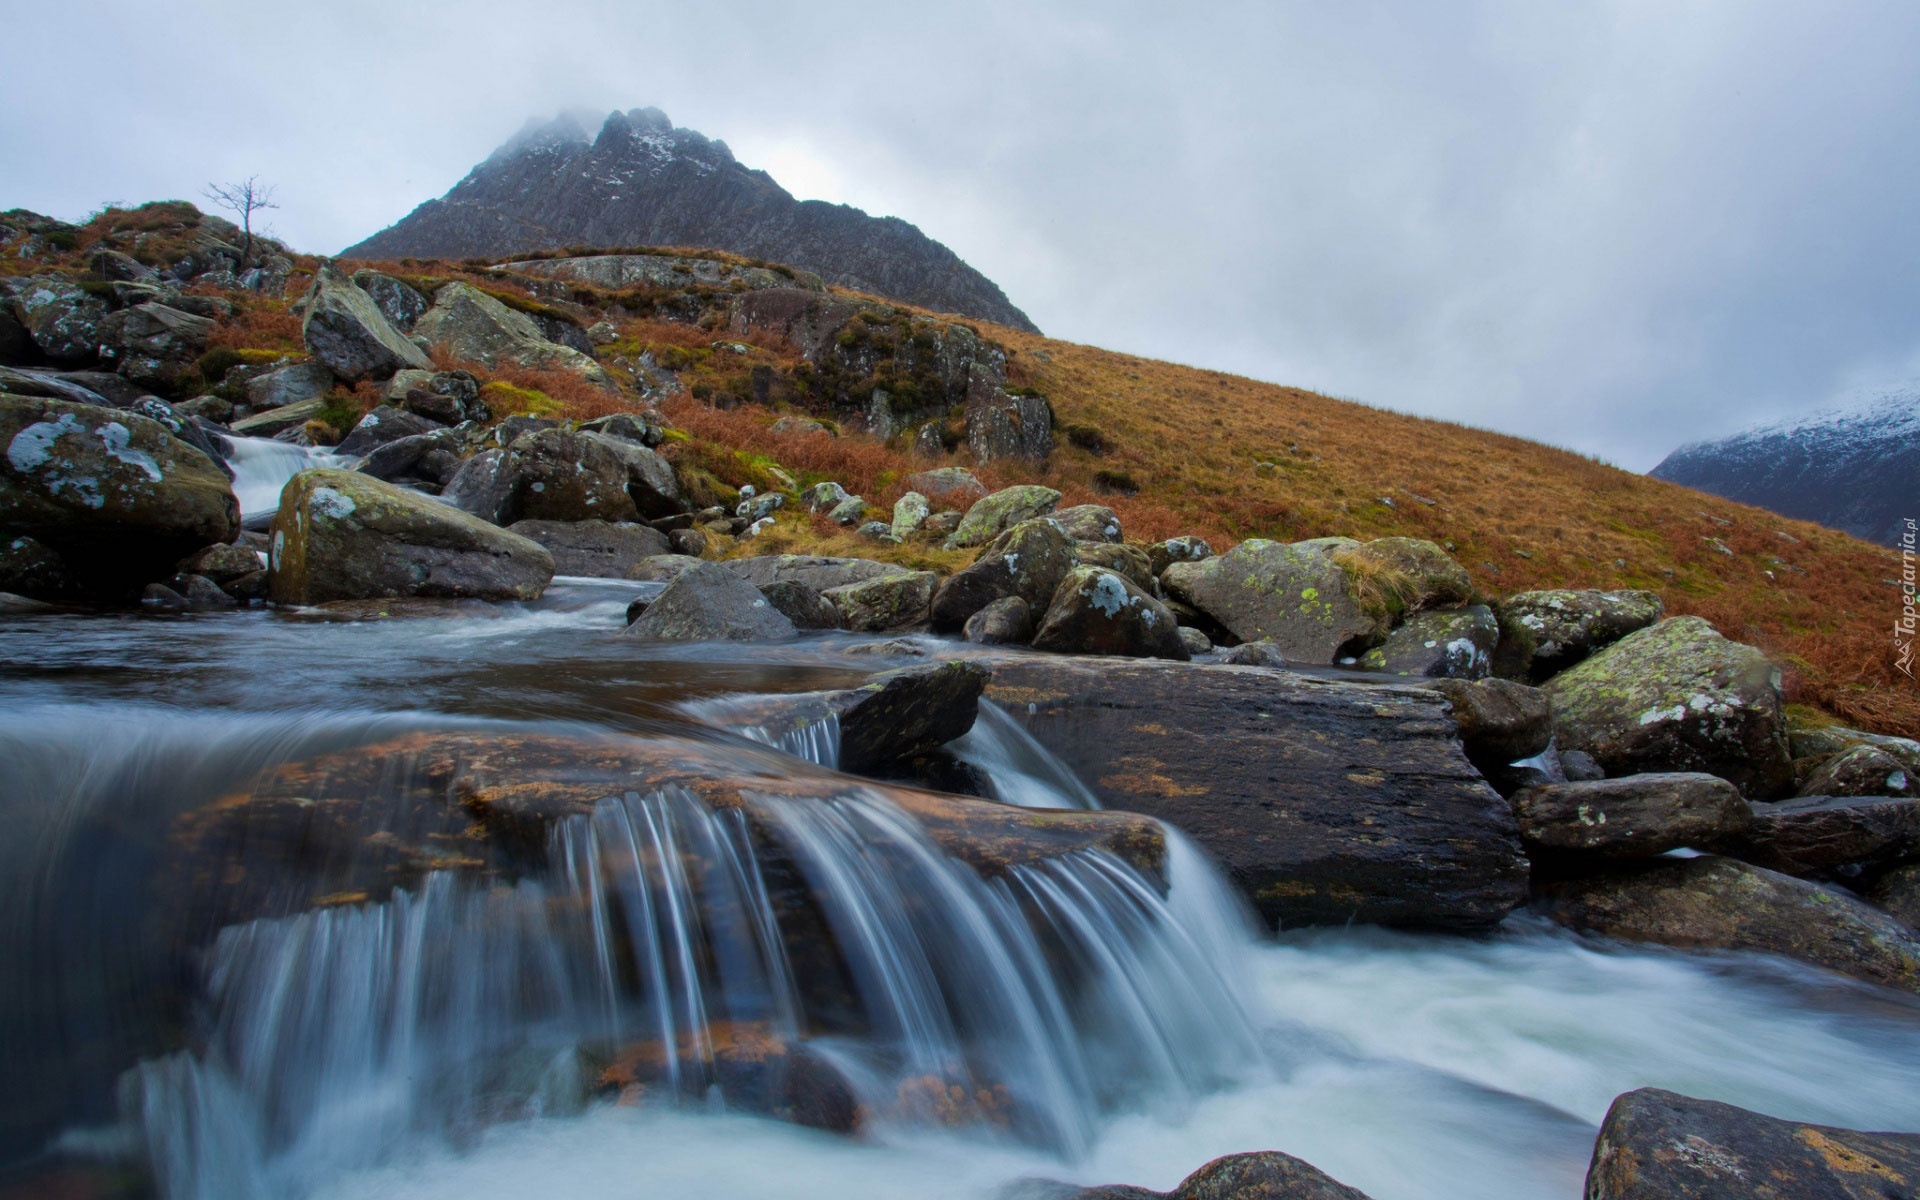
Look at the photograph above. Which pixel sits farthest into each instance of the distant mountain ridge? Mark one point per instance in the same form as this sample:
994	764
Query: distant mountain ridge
1855	467
641	181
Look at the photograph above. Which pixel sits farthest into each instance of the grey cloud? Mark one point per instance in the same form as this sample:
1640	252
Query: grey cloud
1615	227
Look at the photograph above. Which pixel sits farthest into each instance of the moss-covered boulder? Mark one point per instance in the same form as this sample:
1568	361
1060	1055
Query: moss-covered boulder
1446	643
471	325
1411	573
1090	523
341	535
1713	903
1542	633
113	494
1295	596
1185	548
993	515
1130	561
1095	611
899	603
1658	1145
1677	696
1027	561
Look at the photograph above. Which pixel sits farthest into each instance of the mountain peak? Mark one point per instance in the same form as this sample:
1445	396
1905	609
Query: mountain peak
643	181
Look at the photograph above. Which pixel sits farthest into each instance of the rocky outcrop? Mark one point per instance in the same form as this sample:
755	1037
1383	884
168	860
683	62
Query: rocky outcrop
602	549
1003	423
341	535
617	272
1711	903
1633	817
1543	633
708	603
1095	611
1677	696
1260	1175
990	516
1325	802
1295	596
472	326
113	494
1447	643
642	182
346	332
1658	1145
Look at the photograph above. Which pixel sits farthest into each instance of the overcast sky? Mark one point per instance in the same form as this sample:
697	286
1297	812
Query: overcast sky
1611	226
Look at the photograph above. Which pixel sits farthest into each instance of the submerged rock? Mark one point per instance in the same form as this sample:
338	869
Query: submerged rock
115	495
1677	696
1658	1145
341	535
706	602
1325	802
1711	903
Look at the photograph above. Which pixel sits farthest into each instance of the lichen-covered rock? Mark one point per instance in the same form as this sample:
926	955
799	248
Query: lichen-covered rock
345	331
1008	621
400	303
817	572
948	485
341	535
1295	596
1813	835
550	475
286	385
1129	561
1260	1175
1499	721
849	512
1658	1145
802	605
1095	611
62	318
153	344
1027	561
1713	903
708	603
910	512
1677	696
1543	633
471	325
384	424
822	497
1444	643
1090	523
1185	548
993	515
887	604
601	549
1632	817
1861	771
114	494
1416	573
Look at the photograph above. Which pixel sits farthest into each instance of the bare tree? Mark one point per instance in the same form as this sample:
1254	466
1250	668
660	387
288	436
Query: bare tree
242	199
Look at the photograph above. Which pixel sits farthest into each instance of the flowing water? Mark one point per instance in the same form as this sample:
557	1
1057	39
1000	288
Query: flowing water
623	1022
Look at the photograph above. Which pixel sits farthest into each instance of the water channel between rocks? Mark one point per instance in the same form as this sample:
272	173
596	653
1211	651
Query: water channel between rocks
428	1044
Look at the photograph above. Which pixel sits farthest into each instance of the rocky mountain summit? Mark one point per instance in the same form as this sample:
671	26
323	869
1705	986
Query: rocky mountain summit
1850	468
642	181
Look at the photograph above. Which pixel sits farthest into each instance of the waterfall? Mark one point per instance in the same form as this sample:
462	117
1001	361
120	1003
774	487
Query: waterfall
835	967
262	466
1022	771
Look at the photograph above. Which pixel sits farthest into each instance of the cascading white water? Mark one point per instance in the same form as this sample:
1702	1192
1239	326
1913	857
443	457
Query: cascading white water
1020	769
262	466
1026	1007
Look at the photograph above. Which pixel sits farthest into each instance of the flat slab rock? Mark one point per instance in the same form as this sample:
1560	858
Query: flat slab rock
1326	801
1658	1145
1815	834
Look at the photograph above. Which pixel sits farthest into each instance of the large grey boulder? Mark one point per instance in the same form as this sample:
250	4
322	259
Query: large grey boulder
1412	573
1813	835
1658	1145
400	303
1543	633
889	604
1089	523
1095	611
1326	802
62	318
1499	721
288	385
1445	643
384	424
602	549
549	474
1713	903
1677	696
1862	771
817	572
345	331
471	325
1027	561
993	515
1295	596
113	493
341	535
708	603
154	345
1632	817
